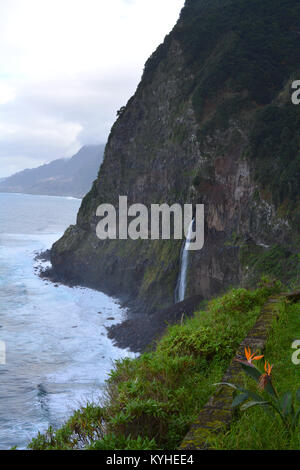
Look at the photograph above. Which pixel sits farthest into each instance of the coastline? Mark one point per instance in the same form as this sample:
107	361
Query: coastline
139	331
58	350
42	195
76	198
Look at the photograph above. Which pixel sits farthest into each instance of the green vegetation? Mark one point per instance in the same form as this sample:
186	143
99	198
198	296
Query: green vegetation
239	45
165	253
276	261
89	197
227	110
254	428
275	152
156	58
152	400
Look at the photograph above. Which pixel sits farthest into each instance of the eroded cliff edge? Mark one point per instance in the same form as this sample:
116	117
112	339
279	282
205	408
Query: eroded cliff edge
206	125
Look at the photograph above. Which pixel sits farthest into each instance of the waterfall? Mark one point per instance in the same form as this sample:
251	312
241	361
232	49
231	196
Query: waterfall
181	283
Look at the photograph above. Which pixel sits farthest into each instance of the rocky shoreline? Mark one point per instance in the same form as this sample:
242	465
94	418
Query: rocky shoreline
140	330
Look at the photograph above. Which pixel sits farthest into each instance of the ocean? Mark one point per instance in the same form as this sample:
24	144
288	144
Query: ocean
57	351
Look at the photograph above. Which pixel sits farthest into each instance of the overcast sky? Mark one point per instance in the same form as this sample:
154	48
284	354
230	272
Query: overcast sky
66	67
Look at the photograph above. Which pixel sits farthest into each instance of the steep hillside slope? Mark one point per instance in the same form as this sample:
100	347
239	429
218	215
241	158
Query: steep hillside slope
62	177
211	122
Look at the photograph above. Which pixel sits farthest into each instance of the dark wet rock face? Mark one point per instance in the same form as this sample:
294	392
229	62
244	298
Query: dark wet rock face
43	256
192	133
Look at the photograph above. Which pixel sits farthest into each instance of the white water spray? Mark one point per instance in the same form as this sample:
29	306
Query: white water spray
181	283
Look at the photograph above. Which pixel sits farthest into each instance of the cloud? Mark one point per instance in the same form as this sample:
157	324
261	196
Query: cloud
7	93
68	66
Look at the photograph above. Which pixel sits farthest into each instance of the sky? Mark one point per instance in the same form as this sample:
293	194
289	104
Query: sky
66	67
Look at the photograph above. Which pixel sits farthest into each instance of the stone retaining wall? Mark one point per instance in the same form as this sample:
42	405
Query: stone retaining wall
217	413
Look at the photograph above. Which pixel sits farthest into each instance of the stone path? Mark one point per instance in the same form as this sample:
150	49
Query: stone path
217	413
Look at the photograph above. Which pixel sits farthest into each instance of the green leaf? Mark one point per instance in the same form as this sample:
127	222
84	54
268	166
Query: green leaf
252	371
255	396
270	390
228	384
255	373
298	395
239	399
254	403
296	417
286	403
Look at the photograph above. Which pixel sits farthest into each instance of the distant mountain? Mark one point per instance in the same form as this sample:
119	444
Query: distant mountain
62	177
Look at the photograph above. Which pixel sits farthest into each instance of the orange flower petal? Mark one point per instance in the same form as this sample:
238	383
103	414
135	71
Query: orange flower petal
257	358
247	353
268	368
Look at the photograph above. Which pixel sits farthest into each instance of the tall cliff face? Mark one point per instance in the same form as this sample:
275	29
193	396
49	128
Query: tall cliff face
211	122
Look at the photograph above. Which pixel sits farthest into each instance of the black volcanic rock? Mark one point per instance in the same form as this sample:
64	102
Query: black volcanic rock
140	332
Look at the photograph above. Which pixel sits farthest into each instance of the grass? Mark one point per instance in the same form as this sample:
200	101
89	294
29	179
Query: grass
277	261
152	400
255	429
